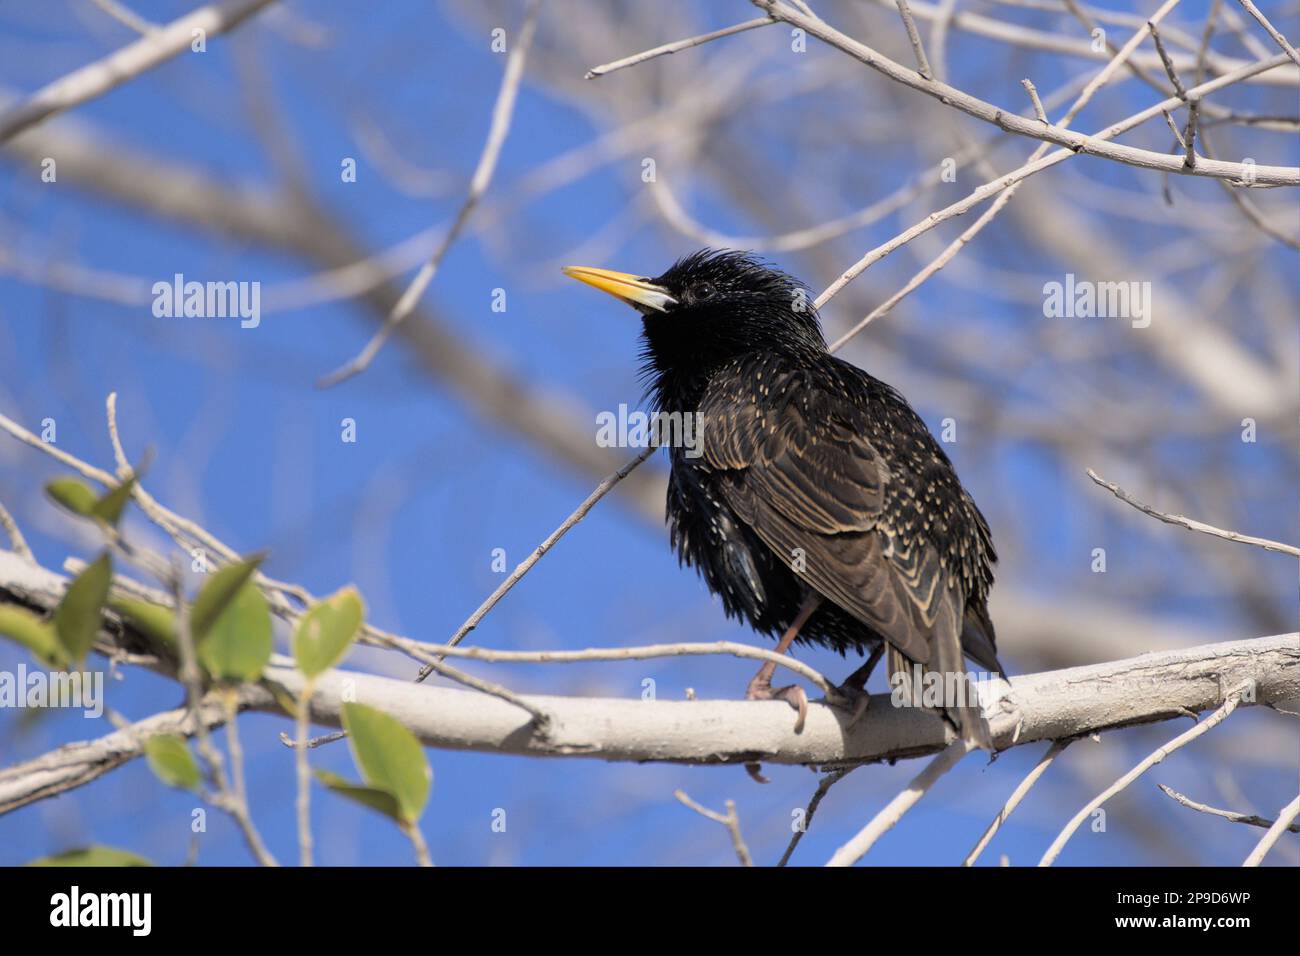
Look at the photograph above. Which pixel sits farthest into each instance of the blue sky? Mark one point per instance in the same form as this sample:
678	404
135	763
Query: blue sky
412	511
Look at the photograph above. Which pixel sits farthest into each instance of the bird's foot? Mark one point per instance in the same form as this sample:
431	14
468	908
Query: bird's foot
853	699
793	695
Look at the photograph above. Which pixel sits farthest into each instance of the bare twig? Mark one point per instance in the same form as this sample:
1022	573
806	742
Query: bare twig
730	820
1273	31
502	114
1190	524
995	186
225	798
1016	797
1013	123
302	773
1168	64
96	79
914	37
1173	128
969	21
1157	755
1189	136
524	566
1285	817
649	652
893	811
823	787
1006	186
1032	90
675	46
126	16
17	543
1250	819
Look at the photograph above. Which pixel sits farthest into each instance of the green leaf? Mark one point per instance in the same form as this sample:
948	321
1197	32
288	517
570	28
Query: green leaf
154	621
109	508
371	797
92	856
72	494
239	643
389	758
325	633
39	637
171	761
218	591
77	618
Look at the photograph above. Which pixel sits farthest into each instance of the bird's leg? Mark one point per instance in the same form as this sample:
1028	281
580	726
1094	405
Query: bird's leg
760	688
854	687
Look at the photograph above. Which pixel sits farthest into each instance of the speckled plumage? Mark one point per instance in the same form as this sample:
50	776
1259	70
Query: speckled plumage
814	476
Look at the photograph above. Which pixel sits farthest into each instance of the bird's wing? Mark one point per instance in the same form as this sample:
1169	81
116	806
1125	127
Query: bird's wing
803	475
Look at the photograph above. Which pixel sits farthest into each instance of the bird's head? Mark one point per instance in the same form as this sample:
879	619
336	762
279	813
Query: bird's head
710	307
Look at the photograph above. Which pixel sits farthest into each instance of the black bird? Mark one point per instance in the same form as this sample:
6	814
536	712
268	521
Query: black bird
818	506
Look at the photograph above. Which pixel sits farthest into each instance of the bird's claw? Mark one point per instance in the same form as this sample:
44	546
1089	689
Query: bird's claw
853	699
792	695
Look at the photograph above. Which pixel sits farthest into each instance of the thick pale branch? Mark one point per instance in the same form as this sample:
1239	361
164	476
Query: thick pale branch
1047	706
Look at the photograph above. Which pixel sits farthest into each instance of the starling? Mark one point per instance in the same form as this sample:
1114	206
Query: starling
817	504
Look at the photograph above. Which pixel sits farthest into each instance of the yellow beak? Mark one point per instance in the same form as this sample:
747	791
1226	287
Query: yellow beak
633	290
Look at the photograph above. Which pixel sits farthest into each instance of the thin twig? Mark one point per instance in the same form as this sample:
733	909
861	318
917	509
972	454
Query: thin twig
126	16
1285	817
191	678
96	79
502	114
914	37
579	513
1189	523
1021	126
1273	31
893	811
995	186
230	701
412	831
1193	117
1173	128
646	652
823	787
1250	819
1016	797
17	543
302	773
1170	72
675	46
730	820
1006	187
1032	90
1160	753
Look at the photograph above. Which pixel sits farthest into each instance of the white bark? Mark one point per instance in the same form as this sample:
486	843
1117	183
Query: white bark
1046	706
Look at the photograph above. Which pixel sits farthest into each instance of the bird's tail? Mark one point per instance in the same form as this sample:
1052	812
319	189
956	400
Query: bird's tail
947	693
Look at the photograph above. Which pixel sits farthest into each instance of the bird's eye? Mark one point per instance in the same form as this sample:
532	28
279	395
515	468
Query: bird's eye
704	290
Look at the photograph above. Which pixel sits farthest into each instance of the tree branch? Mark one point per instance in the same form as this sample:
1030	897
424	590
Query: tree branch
1047	706
1012	122
102	76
